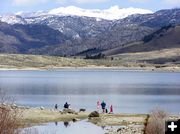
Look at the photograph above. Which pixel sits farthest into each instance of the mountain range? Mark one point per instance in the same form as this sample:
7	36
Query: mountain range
73	31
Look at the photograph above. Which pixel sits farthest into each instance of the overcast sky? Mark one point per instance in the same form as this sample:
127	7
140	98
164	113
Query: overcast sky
12	6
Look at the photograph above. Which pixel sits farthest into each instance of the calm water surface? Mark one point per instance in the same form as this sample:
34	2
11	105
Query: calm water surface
80	127
127	91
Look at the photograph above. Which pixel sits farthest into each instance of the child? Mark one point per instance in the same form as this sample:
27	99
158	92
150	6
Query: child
98	105
111	109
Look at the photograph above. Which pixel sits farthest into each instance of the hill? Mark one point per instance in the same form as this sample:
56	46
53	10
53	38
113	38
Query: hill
160	47
164	38
22	38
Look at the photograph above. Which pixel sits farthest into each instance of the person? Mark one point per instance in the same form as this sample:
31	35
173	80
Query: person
111	109
106	110
56	106
103	105
66	105
98	105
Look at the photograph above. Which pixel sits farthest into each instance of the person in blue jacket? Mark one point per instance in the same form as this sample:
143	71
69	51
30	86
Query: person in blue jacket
66	105
103	105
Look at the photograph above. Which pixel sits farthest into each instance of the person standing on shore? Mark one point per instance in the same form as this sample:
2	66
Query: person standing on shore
111	109
103	105
56	106
66	105
98	105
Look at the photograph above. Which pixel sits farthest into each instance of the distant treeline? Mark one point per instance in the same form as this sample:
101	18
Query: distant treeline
96	56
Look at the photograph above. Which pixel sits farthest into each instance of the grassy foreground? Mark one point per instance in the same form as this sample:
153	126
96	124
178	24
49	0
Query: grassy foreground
126	123
117	123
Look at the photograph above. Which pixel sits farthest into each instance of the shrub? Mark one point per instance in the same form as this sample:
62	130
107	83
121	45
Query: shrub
9	117
156	122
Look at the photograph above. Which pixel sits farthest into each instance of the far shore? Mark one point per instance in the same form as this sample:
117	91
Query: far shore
122	68
123	62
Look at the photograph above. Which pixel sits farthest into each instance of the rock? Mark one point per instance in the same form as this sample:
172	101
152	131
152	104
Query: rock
20	107
82	110
27	107
42	108
69	111
14	106
60	112
93	114
119	129
75	119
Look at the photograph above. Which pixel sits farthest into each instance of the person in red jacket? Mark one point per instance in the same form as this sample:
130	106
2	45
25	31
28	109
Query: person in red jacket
111	109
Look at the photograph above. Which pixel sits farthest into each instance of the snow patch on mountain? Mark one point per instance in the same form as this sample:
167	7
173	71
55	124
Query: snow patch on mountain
12	19
31	14
113	13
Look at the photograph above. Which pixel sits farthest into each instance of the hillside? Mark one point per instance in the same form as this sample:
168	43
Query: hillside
164	38
22	38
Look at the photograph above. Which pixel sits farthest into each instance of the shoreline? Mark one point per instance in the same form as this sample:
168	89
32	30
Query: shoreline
35	116
145	69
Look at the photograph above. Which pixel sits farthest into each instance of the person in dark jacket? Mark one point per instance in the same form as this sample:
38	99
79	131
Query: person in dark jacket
103	105
66	105
56	106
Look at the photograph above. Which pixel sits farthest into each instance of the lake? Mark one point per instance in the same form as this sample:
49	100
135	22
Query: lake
80	127
129	91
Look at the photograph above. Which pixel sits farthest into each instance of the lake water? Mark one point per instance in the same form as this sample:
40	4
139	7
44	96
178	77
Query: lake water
80	127
128	91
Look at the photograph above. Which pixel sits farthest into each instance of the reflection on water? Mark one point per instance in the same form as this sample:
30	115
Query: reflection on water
66	124
80	127
127	91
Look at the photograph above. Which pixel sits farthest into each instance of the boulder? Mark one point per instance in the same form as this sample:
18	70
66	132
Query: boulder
93	114
42	108
82	110
14	106
75	119
69	111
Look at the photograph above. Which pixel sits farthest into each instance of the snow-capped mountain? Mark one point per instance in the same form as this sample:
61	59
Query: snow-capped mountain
73	21
82	30
113	13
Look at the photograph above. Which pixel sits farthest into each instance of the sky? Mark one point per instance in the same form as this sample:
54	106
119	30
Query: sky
13	6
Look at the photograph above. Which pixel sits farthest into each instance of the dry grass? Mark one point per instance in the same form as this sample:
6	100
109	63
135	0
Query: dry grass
127	60
156	122
9	118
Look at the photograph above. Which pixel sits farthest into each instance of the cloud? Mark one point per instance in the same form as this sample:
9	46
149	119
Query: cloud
172	2
139	1
90	1
28	2
35	2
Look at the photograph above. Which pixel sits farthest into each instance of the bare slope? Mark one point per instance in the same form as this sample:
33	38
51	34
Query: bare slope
165	38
